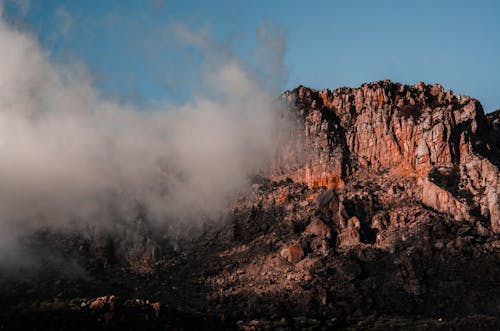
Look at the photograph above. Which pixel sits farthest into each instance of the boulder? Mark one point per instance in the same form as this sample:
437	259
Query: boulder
319	229
293	253
348	237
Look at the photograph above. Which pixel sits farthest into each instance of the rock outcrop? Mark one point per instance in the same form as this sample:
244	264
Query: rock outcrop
444	141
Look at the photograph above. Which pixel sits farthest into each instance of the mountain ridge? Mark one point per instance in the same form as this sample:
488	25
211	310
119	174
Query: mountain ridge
412	130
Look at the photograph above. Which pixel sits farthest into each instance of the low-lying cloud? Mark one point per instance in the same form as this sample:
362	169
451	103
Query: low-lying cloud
69	156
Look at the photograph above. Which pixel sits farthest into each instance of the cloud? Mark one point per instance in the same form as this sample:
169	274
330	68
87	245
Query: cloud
270	54
71	158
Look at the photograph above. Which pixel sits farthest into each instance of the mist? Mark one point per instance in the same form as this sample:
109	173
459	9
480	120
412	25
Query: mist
70	157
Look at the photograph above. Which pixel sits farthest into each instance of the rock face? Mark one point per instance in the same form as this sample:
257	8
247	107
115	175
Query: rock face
440	199
422	131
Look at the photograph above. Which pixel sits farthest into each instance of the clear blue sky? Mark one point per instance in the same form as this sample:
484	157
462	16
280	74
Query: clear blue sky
328	43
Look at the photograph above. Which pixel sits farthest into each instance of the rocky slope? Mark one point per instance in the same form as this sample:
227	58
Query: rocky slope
380	209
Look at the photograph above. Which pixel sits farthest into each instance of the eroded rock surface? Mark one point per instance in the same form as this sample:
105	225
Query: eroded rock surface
420	131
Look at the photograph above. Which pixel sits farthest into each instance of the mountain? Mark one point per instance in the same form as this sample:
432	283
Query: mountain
444	143
380	209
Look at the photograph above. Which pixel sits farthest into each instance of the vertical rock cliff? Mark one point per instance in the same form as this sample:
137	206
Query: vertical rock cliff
444	142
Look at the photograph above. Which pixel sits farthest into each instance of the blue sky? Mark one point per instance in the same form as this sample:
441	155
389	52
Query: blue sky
127	47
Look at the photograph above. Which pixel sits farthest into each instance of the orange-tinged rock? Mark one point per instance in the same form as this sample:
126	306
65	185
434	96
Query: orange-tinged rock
380	99
384	126
282	197
293	253
156	308
354	223
98	304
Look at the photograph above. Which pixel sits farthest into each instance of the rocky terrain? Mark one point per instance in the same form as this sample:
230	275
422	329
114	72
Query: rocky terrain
379	210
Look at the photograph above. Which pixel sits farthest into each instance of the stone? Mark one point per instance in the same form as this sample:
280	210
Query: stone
319	229
442	200
157	307
354	223
98	304
293	253
481	230
328	200
348	237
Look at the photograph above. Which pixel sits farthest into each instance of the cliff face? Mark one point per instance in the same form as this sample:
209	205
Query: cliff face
443	141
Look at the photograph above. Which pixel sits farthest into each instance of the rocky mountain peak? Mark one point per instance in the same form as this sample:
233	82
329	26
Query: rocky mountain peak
419	131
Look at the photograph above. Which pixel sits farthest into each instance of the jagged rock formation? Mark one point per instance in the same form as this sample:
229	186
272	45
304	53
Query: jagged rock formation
380	207
423	132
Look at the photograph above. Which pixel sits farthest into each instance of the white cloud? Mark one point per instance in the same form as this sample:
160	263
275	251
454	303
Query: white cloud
68	155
